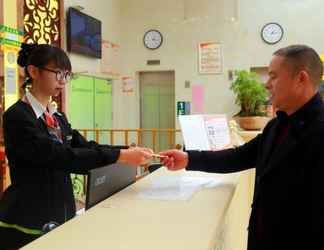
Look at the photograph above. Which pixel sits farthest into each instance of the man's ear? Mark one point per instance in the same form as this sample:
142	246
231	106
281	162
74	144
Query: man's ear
303	77
33	71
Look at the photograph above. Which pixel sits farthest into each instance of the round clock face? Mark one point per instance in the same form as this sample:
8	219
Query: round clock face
272	33
153	39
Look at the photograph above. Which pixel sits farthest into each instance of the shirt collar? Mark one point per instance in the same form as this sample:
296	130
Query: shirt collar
38	108
302	116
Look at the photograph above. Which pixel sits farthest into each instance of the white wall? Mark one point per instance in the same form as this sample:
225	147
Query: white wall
107	11
183	27
185	23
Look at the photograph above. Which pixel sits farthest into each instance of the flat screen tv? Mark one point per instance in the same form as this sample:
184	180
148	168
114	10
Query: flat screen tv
83	34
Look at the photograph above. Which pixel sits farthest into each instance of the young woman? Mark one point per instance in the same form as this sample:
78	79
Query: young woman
43	149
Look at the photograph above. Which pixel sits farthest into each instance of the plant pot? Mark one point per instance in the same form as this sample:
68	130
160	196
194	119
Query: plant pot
252	122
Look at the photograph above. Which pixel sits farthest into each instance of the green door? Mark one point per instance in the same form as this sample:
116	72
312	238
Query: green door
90	106
81	104
103	108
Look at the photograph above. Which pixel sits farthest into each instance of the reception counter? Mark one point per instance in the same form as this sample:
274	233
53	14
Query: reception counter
126	221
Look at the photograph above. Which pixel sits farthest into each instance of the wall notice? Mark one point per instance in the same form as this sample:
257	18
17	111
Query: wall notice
210	58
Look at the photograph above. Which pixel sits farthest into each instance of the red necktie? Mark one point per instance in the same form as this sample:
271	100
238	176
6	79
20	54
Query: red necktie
53	126
50	120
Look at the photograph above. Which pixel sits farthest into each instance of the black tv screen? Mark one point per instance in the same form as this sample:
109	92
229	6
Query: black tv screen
83	34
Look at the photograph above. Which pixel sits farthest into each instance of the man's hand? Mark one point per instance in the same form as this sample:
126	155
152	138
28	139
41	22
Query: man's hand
174	159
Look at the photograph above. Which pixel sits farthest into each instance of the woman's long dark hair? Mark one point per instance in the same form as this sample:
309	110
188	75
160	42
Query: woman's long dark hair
41	55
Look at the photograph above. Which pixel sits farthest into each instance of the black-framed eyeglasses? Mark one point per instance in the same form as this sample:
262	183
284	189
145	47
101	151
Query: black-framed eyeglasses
60	74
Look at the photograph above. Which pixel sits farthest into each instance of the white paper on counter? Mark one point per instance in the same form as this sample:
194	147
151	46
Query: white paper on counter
177	187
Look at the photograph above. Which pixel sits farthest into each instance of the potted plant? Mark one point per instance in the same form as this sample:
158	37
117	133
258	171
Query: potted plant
251	95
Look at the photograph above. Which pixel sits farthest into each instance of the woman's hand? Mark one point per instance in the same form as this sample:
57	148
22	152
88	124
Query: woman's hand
135	156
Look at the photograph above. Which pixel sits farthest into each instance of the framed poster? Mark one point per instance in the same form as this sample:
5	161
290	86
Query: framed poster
210	58
128	84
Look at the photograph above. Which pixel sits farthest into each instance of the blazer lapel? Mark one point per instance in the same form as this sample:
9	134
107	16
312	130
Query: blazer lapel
62	126
42	124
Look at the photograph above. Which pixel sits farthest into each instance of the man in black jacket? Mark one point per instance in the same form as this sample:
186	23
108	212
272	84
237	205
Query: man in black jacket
288	208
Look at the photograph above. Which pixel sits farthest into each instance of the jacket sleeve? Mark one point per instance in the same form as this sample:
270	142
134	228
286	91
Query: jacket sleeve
225	161
27	144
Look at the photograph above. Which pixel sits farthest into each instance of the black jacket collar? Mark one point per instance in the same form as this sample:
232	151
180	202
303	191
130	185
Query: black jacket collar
303	116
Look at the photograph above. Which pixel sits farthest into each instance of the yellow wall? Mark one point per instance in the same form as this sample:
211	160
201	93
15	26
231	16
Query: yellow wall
322	58
10	58
10	53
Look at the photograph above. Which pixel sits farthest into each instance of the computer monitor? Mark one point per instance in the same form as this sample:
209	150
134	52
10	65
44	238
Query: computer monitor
106	181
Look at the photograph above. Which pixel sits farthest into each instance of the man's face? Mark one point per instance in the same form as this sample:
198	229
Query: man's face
282	84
